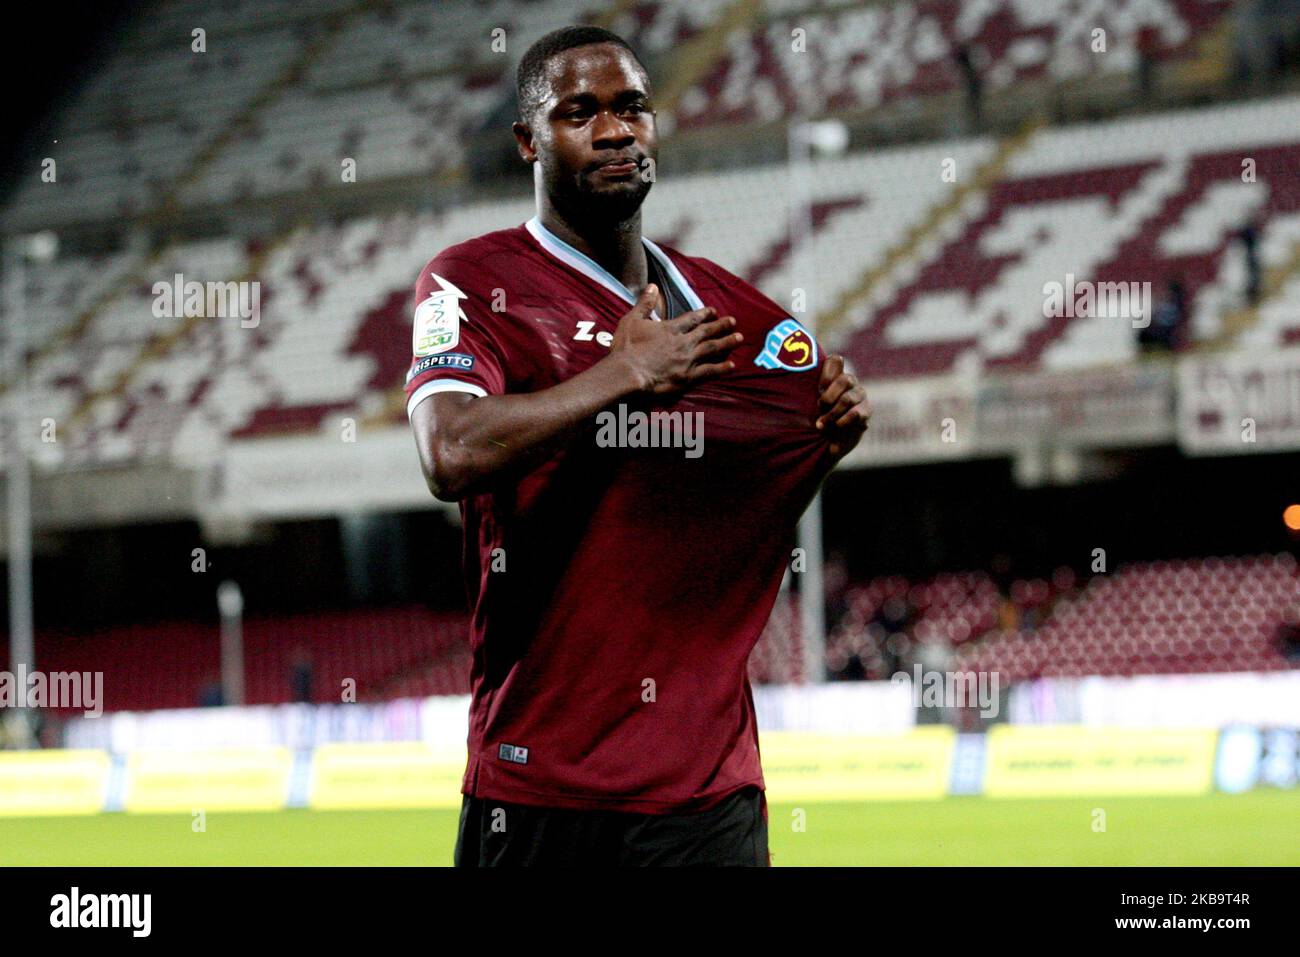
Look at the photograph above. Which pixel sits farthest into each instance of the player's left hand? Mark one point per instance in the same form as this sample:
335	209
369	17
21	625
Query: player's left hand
846	410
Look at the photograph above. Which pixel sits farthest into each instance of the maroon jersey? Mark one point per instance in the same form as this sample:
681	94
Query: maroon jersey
618	589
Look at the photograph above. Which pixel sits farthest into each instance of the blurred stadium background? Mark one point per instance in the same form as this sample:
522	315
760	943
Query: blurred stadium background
1100	510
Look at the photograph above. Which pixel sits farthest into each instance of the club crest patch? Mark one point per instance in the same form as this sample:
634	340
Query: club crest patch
788	346
437	320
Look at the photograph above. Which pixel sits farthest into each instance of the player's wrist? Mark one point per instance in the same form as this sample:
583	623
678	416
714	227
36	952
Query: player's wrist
627	379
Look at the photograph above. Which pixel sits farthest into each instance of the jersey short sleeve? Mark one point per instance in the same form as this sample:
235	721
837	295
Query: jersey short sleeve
453	344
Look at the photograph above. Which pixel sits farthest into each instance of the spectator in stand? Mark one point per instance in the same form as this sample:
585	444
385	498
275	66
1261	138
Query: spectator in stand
835	582
965	56
300	675
210	694
1008	615
1148	49
1168	320
1288	635
1249	236
19	728
893	619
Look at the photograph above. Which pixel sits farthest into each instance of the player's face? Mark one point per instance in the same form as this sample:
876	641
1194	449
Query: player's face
596	131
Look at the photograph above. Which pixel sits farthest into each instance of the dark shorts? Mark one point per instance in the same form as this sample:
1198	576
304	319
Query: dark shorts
498	834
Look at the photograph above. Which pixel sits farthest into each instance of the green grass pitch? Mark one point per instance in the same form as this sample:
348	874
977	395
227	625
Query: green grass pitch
1260	828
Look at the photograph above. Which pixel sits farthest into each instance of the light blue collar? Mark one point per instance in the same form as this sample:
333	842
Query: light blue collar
584	264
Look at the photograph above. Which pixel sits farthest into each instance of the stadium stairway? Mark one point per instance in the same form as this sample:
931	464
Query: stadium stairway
83	319
1273	285
700	54
943	212
615	10
158	346
1210	63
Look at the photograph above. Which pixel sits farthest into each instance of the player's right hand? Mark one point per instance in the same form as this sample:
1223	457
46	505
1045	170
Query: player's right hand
672	355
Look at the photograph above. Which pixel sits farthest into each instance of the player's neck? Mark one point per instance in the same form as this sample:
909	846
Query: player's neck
615	246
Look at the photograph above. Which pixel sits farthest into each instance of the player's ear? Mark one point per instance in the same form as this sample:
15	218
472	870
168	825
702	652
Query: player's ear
524	139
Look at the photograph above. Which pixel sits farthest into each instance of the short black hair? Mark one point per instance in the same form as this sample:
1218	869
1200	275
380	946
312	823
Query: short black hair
532	68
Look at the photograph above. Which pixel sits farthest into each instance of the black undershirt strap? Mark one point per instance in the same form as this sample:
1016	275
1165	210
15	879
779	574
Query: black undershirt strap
674	301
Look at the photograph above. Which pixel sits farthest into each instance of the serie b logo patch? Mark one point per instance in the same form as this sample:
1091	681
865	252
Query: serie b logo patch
437	320
788	346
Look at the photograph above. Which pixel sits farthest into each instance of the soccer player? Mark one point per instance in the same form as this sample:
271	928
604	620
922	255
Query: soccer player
619	574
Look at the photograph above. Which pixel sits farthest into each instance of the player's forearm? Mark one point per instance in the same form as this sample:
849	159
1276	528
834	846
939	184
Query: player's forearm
468	444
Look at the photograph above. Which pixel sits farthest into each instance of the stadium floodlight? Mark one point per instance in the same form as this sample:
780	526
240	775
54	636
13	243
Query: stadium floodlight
230	600
42	247
230	603
828	137
823	137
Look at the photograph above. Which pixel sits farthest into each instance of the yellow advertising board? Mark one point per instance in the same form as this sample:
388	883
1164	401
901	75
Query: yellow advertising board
1067	761
825	767
52	782
391	775
1048	761
210	779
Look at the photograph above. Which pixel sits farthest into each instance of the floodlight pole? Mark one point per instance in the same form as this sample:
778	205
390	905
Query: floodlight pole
230	604
18	484
812	589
